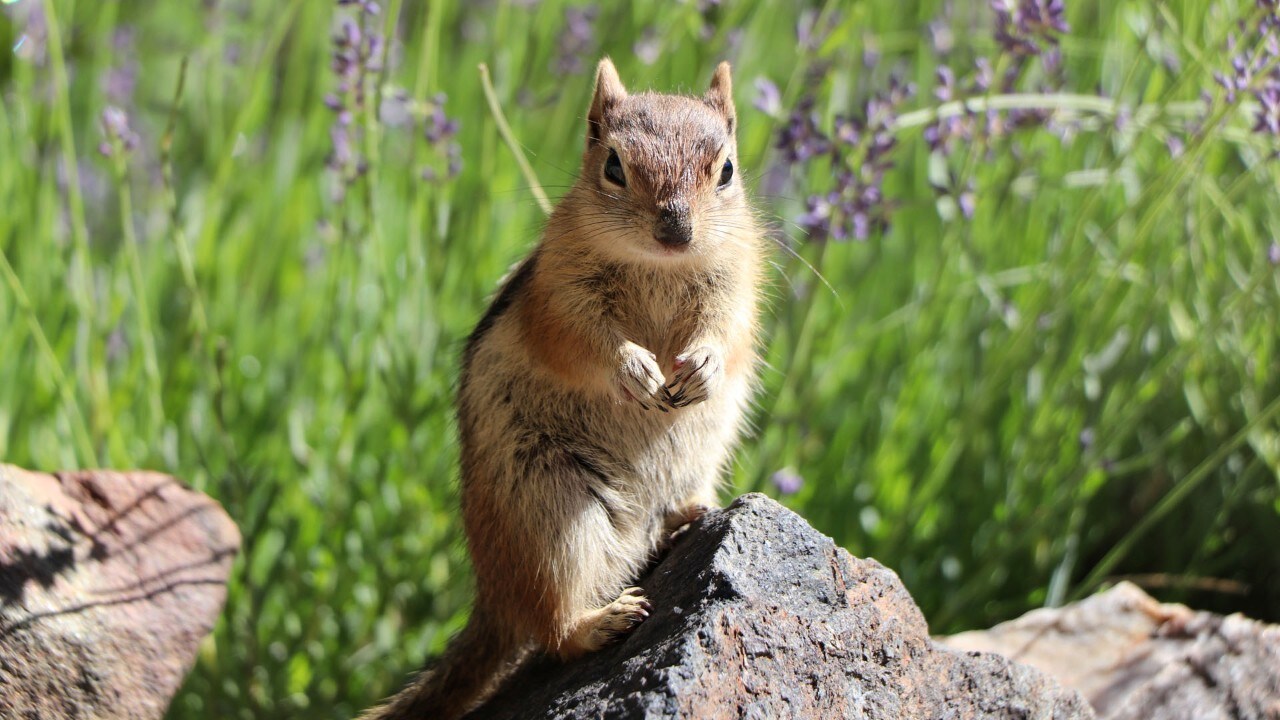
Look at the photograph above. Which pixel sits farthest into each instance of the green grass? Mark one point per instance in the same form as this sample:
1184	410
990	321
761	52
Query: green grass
212	311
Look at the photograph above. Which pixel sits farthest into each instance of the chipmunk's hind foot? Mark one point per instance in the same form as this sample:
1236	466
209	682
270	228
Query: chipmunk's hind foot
605	626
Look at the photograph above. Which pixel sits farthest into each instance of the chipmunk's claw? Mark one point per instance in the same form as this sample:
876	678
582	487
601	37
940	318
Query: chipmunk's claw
638	378
697	373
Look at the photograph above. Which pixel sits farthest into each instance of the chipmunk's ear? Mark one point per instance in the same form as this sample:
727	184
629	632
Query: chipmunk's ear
609	92
720	96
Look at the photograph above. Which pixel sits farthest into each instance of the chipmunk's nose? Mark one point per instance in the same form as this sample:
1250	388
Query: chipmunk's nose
674	228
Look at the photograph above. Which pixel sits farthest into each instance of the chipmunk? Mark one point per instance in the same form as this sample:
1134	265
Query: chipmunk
603	391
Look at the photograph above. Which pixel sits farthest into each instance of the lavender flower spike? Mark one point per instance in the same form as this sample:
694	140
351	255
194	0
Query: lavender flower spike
787	481
115	125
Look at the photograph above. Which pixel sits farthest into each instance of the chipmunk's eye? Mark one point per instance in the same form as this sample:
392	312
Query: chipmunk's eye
726	174
613	169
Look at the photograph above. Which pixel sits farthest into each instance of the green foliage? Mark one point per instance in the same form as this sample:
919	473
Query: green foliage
1078	383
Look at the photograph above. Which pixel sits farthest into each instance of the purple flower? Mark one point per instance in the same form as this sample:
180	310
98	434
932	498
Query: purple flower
944	133
115	126
946	87
440	130
941	37
801	139
1255	69
709	10
342	155
768	99
369	7
1273	253
356	60
861	154
577	40
120	81
1031	117
870	53
941	134
804	29
438	127
787	481
648	47
968	201
861	144
118	345
816	220
396	110
1042	17
983	77
453	166
1087	438
1024	27
1268	110
847	130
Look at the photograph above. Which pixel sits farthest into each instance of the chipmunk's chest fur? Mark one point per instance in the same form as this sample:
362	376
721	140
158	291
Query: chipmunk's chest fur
521	370
654	309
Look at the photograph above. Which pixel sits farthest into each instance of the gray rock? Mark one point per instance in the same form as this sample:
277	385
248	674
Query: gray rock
108	583
1137	659
758	615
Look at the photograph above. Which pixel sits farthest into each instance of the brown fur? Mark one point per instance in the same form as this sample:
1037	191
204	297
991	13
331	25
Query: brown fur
602	393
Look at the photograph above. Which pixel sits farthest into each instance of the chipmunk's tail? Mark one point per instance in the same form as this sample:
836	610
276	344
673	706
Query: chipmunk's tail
469	670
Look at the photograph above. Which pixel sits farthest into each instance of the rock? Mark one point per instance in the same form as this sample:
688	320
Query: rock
108	583
1136	659
758	615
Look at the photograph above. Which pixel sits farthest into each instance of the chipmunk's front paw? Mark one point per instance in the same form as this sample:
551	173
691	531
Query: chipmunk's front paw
639	379
698	374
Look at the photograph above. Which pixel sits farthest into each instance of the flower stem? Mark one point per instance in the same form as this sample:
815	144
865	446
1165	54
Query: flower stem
510	139
84	441
1093	104
89	348
150	364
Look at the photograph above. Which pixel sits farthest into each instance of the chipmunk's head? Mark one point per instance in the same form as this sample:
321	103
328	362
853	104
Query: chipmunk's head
664	168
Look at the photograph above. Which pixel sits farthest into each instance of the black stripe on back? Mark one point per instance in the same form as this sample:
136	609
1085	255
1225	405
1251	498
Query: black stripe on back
501	303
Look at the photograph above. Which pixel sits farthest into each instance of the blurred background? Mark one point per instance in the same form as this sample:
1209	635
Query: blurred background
1023	332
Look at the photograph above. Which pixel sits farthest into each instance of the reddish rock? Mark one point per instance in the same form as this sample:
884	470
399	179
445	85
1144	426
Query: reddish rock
1137	659
108	583
757	615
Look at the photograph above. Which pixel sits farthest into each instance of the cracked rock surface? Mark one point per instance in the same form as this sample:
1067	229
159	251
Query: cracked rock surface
108	583
758	615
1137	659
